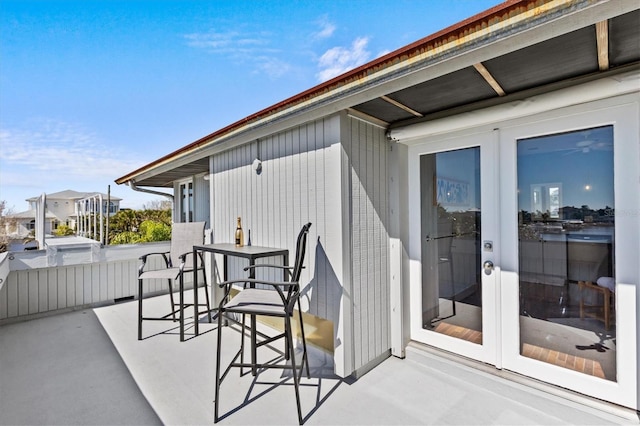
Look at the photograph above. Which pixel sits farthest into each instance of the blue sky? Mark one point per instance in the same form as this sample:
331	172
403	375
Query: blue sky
91	90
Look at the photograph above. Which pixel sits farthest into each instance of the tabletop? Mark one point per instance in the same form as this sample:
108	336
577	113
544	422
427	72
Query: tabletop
249	252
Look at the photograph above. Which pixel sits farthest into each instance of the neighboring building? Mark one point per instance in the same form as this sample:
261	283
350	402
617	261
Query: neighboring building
65	207
463	191
20	229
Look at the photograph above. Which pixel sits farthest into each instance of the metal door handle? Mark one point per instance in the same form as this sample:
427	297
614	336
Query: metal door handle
488	267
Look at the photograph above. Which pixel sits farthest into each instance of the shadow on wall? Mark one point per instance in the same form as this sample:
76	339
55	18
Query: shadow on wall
325	291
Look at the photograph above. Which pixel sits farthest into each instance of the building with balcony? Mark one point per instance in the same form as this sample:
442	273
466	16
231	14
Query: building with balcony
62	208
474	194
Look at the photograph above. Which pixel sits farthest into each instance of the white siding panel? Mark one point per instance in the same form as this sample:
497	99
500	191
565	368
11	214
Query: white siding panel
78	278
43	290
3	301
13	306
132	278
115	271
33	292
71	285
88	286
61	278
99	275
52	276
36	291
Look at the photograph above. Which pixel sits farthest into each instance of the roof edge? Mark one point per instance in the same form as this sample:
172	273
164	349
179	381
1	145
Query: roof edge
461	29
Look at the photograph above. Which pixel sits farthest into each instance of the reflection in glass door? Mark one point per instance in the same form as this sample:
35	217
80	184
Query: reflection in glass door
566	250
450	221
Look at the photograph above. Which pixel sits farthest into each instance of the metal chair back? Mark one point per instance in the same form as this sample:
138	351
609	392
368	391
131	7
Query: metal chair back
301	247
183	237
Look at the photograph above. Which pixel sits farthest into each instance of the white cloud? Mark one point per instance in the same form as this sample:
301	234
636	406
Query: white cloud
326	30
338	60
57	150
50	156
232	43
246	48
273	67
213	41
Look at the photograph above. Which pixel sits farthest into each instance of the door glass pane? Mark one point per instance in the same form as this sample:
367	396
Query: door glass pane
186	207
450	219
190	202
566	250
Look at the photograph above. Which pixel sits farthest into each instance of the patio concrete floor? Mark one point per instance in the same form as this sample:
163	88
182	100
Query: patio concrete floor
87	367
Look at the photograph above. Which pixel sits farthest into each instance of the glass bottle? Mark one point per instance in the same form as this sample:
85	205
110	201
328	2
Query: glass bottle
239	234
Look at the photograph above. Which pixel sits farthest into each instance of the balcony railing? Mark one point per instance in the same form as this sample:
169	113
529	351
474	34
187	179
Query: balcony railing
35	283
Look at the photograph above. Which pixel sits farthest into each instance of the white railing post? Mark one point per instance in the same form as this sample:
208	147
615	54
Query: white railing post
41	209
101	218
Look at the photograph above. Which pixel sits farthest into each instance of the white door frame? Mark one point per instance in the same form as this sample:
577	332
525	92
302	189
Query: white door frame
610	103
624	118
487	352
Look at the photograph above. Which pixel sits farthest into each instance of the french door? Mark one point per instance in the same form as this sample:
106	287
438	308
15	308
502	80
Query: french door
522	255
454	205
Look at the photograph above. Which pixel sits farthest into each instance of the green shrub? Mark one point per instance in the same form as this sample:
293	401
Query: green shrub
139	226
127	237
155	231
63	230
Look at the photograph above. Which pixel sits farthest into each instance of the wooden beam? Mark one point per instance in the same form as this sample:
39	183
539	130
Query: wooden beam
368	118
602	40
401	106
489	78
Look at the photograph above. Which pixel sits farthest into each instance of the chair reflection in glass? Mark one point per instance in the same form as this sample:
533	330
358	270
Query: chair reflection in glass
273	299
601	308
444	238
590	263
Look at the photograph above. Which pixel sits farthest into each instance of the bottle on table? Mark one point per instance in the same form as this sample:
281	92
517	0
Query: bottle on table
239	234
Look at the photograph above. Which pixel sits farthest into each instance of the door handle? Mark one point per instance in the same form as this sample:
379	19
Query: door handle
488	267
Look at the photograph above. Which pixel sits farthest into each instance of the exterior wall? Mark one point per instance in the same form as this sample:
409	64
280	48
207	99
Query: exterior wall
61	209
332	173
366	149
23	227
300	172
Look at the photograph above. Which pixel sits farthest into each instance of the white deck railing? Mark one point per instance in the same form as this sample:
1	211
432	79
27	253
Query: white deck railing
4	268
35	283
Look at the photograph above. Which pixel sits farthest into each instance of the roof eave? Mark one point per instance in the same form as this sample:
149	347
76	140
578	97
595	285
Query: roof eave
449	41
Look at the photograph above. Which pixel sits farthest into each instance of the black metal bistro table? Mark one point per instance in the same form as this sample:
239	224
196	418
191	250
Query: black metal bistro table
247	252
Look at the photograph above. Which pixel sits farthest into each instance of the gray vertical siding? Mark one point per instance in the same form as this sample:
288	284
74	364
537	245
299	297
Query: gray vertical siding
333	173
367	150
290	191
